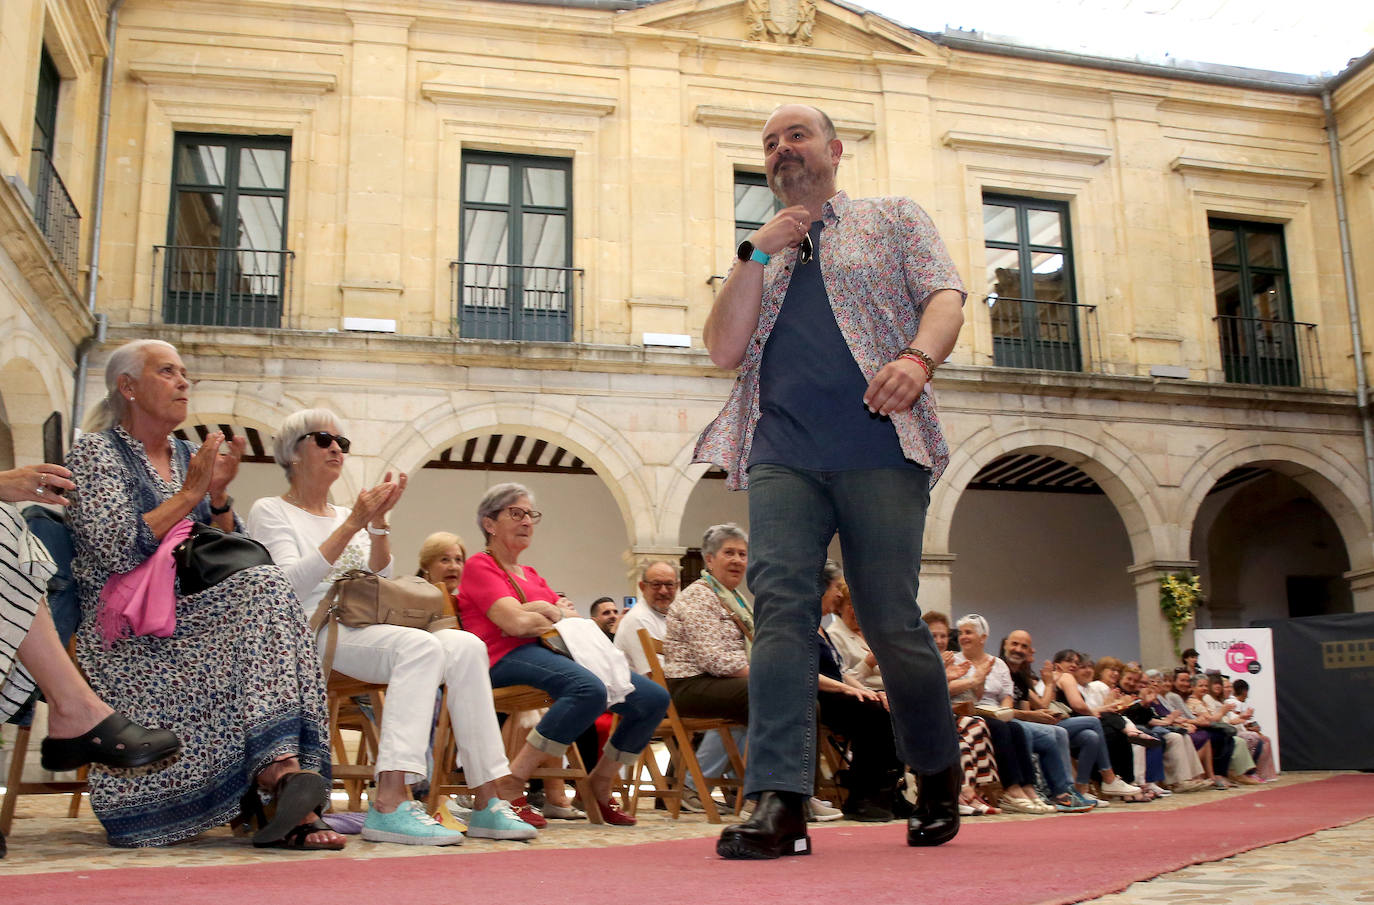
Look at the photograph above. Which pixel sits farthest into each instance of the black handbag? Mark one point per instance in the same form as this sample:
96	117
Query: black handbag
209	555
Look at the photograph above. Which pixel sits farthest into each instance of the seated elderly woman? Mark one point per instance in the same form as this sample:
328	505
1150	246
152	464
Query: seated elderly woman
442	557
1241	768
509	605
706	659
977	756
1072	673
314	542
82	729
236	677
1242	716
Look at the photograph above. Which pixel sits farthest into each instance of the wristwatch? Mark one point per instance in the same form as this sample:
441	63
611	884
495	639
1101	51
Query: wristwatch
228	504
747	252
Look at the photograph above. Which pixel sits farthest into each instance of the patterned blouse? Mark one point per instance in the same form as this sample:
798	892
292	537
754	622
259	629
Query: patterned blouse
701	638
882	259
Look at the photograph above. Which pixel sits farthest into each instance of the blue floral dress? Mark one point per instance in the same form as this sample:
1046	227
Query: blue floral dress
238	681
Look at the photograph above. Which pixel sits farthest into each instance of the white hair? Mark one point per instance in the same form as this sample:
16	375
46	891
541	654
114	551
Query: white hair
126	361
978	622
716	536
295	427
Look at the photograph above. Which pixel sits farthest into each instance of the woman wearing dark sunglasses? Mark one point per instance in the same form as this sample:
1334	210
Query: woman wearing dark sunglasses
315	542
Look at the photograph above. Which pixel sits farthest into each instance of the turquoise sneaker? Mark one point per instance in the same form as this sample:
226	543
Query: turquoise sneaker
408	825
498	821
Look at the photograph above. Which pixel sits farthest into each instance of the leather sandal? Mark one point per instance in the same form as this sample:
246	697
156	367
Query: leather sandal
297	796
115	741
297	838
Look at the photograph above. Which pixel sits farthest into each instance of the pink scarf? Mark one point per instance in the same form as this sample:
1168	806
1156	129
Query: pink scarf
143	601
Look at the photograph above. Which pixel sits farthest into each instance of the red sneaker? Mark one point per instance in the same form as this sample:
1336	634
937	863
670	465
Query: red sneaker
528	813
613	816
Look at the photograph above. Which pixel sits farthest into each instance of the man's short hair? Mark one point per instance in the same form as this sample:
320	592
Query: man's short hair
1190	652
1240	685
658	562
600	600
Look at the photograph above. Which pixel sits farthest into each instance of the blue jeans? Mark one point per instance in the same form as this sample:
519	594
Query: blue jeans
1085	737
579	697
1051	747
712	756
879	515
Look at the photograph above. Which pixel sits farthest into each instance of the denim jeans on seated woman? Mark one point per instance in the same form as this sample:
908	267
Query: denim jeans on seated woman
579	697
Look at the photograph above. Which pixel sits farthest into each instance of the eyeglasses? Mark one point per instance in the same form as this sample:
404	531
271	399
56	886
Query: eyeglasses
807	250
518	515
661	585
324	438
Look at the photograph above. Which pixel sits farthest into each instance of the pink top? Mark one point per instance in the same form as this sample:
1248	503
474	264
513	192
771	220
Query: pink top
483	583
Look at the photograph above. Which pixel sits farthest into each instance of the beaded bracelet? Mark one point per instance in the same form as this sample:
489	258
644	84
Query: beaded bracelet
925	361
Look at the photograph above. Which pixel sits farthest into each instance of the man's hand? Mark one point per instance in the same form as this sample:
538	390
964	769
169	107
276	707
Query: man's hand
786	230
895	387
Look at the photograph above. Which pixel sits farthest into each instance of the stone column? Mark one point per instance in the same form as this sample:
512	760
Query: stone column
937	570
1361	589
376	166
1156	644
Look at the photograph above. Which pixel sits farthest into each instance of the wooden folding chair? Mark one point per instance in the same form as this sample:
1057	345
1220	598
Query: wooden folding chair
15	784
509	699
354	773
677	732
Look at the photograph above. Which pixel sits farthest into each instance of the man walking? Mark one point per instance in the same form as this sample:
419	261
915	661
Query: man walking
836	314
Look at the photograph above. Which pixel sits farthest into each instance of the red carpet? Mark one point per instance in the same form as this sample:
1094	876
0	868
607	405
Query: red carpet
871	863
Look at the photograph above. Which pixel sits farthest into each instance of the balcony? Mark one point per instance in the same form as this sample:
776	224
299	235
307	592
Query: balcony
55	213
1044	335
1268	352
222	287
504	301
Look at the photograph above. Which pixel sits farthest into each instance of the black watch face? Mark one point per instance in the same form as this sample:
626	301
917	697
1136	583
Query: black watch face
746	248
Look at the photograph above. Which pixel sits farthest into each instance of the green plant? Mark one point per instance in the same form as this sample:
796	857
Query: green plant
1180	594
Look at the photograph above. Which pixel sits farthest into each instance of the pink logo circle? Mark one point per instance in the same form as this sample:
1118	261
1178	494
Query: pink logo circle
1239	656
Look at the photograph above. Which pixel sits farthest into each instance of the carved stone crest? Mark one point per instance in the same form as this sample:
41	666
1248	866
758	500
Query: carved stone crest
781	21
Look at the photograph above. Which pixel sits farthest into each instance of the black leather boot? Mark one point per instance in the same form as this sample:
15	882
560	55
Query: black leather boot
936	820
777	828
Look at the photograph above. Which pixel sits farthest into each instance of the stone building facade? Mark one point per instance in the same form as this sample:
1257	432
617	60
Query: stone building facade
460	223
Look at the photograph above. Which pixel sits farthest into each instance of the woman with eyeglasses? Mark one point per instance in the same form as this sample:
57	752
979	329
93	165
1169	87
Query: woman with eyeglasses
509	605
315	542
236	676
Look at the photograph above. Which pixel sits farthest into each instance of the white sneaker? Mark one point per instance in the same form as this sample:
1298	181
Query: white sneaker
1119	787
1158	789
818	811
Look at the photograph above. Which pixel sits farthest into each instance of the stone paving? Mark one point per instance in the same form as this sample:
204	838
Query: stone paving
1330	866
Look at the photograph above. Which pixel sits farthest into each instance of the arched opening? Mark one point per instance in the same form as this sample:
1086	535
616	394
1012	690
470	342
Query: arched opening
580	546
1040	546
1267	549
709	504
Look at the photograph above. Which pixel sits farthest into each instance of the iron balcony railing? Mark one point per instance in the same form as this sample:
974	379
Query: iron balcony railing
1269	352
55	214
222	287
511	301
1044	335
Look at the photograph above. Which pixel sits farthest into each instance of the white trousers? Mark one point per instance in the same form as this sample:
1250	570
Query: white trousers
413	663
1180	759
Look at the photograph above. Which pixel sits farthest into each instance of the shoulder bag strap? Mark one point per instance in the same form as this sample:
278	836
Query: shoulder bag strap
325	612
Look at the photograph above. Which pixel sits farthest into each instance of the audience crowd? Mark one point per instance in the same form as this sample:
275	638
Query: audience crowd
232	670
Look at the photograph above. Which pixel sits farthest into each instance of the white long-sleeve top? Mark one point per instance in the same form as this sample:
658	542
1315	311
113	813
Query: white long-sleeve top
293	537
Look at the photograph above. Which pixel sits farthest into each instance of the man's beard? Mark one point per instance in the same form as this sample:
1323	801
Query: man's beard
794	183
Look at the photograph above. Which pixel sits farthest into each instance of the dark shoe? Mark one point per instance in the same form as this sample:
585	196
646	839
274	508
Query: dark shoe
114	742
777	828
298	795
1145	741
867	809
936	820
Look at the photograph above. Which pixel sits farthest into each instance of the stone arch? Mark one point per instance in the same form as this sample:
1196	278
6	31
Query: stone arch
605	450
684	475
1329	478
1125	481
33	385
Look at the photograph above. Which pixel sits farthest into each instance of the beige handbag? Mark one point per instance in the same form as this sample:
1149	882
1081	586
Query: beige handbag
359	599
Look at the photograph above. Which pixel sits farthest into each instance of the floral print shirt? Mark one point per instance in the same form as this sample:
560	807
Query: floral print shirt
701	638
882	259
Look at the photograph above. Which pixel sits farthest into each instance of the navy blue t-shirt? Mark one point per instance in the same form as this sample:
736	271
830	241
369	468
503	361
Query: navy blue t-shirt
811	391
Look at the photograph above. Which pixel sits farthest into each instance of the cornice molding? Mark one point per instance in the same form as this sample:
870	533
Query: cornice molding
1252	172
746	118
537	101
196	75
1026	147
